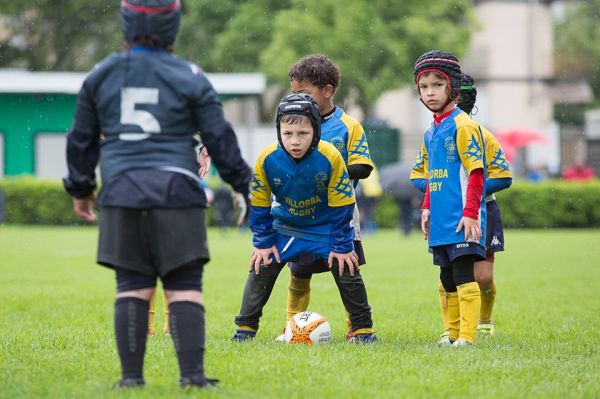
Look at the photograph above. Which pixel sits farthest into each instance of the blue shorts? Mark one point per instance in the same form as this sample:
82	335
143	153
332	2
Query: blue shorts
292	249
444	255
494	232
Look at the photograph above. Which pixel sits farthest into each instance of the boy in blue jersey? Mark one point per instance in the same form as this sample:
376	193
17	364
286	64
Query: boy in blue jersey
319	77
498	177
453	212
309	218
137	114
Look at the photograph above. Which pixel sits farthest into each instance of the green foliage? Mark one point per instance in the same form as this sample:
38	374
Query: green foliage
58	340
50	35
577	46
551	204
32	201
525	205
374	42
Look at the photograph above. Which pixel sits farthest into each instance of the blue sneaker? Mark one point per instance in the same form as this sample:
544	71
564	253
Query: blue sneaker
363	338
243	335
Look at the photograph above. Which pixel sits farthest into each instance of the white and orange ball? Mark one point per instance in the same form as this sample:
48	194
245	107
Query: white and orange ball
307	328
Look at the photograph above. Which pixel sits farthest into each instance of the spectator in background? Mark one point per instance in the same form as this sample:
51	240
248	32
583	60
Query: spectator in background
369	192
579	171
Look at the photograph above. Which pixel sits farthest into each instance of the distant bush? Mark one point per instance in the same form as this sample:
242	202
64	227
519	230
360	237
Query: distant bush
525	205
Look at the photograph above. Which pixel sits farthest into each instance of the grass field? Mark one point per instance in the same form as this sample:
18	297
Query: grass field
57	341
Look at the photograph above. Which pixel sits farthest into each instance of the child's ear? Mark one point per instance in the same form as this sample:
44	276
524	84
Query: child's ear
328	91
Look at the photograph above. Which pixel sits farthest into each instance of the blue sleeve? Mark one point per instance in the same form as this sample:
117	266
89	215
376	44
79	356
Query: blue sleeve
342	233
83	148
419	184
495	185
261	224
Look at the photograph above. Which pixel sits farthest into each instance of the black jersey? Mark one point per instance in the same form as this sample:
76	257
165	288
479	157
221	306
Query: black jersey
137	114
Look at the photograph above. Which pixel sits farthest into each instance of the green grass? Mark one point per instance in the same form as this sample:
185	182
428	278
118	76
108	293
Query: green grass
56	335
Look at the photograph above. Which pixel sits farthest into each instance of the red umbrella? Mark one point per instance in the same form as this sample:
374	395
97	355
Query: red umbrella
519	137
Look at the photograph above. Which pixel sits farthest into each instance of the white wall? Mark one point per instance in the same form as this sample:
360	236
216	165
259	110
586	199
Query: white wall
50	157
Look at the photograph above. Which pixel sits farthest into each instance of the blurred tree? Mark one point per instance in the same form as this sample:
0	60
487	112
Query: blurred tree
375	42
577	43
51	35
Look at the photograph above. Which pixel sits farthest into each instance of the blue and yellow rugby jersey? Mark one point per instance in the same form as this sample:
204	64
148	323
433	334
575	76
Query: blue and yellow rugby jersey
450	152
498	174
348	136
311	198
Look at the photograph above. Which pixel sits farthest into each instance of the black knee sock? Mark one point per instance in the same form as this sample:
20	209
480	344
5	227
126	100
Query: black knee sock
187	329
131	323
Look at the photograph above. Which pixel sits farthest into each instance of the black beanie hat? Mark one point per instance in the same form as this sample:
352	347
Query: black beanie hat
441	62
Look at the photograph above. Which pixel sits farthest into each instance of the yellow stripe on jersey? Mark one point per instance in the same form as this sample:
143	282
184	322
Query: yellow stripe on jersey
496	162
260	191
469	142
357	145
340	191
419	169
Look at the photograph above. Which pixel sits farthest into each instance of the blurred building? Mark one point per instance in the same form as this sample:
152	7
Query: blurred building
511	57
38	110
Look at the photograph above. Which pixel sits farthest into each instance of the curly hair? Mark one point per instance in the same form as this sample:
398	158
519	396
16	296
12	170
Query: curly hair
317	69
468	94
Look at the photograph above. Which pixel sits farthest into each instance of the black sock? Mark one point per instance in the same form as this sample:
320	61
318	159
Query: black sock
187	329
131	323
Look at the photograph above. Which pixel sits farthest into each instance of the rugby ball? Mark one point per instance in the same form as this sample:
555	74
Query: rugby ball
307	328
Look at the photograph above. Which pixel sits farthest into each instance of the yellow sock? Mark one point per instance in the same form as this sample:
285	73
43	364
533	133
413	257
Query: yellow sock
443	306
488	297
151	311
469	302
166	327
362	331
348	322
453	314
298	296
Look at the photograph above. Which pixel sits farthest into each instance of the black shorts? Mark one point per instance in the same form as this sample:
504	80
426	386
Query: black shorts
153	242
444	255
307	264
494	232
184	278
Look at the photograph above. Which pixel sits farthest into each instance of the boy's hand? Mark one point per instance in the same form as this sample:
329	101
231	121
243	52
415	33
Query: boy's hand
204	161
350	258
263	256
471	228
425	214
241	202
84	208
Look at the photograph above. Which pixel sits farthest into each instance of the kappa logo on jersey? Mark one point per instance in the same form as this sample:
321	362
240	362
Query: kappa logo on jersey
495	241
450	145
277	182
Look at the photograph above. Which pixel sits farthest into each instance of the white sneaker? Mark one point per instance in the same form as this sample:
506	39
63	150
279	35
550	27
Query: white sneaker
444	341
462	342
281	338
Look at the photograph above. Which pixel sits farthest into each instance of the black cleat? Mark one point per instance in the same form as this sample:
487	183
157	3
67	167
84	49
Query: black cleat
130	383
189	383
